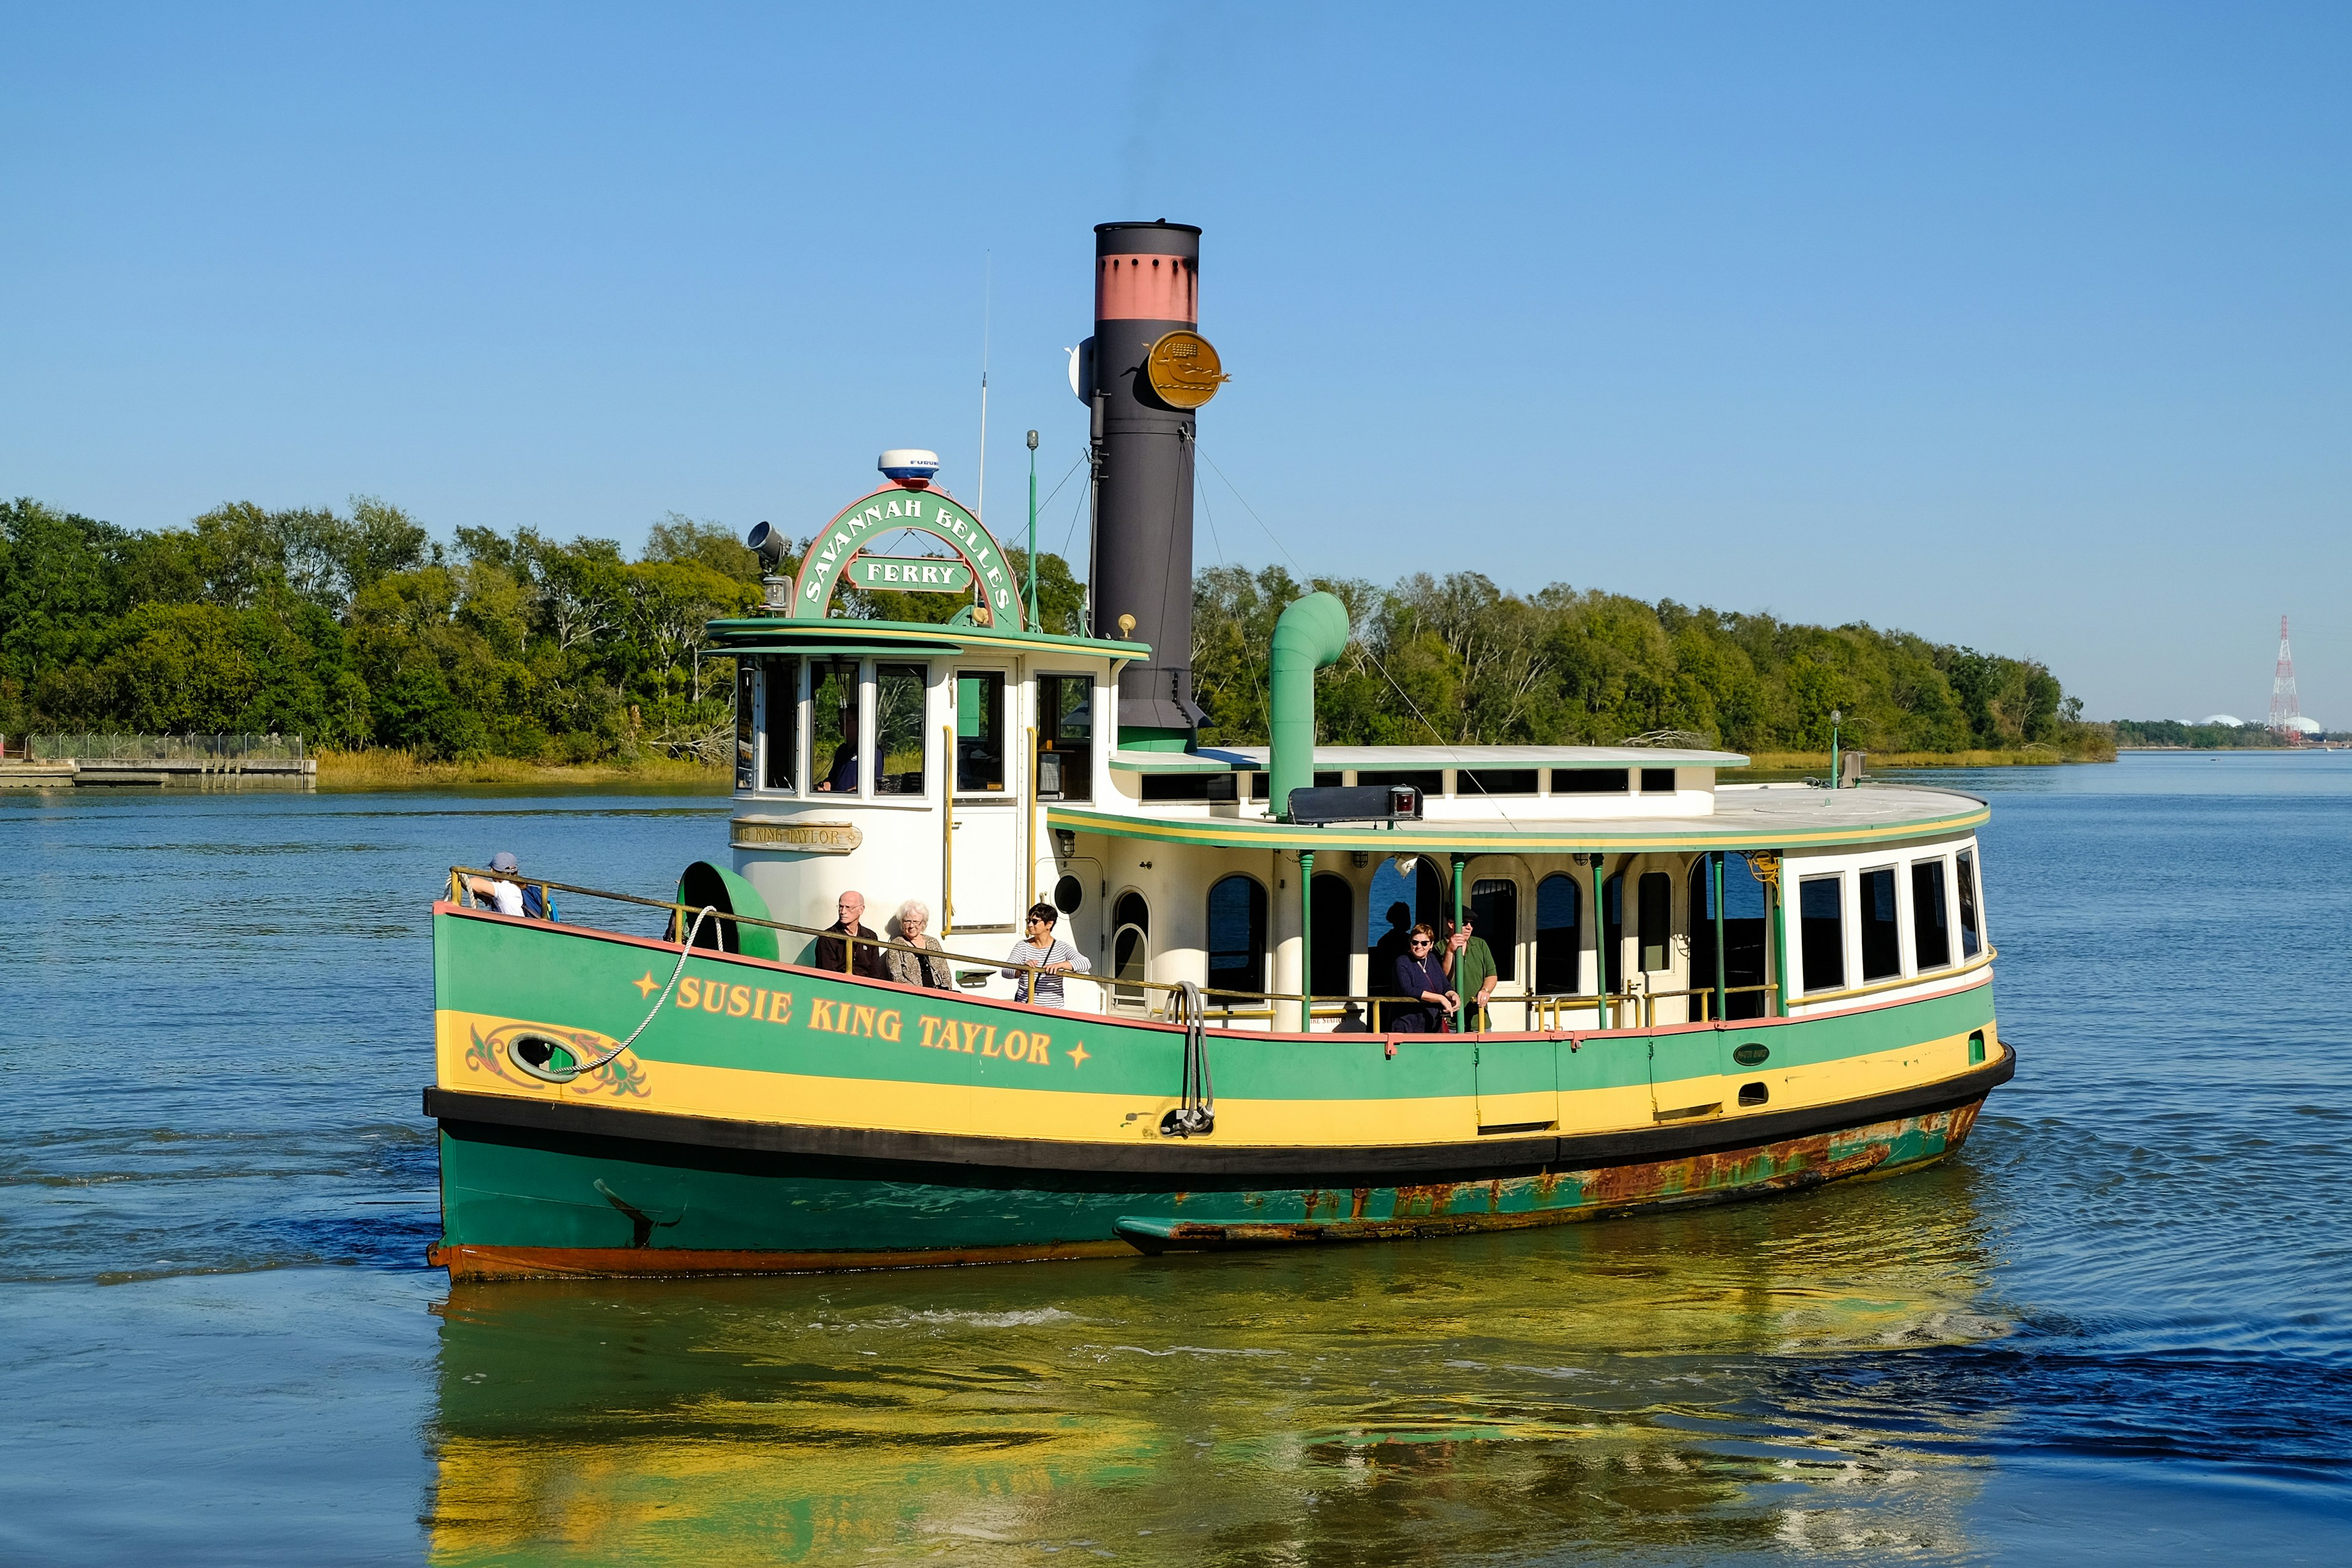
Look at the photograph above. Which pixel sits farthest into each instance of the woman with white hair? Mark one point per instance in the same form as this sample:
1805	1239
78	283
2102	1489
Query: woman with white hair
916	968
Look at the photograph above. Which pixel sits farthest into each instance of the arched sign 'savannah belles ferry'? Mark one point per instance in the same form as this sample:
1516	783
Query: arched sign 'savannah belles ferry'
1705	990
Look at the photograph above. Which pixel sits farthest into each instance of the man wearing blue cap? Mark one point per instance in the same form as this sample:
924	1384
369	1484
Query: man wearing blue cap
500	887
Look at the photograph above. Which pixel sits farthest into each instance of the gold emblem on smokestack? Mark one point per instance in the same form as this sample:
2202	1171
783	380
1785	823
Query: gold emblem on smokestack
1185	370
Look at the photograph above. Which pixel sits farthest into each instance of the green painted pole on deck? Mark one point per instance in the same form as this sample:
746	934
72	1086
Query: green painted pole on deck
1460	1013
1717	856
1834	717
1779	937
1307	941
1601	937
1032	530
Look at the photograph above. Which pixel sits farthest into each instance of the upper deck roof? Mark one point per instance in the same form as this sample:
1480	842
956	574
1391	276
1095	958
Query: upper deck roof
774	634
1746	816
1399	759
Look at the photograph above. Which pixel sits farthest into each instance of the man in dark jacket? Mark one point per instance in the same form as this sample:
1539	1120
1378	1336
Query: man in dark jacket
834	948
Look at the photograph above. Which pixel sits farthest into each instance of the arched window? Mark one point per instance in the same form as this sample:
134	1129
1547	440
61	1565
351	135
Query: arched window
1130	953
1494	911
1400	900
1236	935
1560	935
1335	935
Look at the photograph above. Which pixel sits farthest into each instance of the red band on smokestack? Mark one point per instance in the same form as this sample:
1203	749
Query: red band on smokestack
1147	289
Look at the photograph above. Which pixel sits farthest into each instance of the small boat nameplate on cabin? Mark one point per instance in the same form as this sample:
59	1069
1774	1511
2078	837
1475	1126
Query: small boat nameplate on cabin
810	837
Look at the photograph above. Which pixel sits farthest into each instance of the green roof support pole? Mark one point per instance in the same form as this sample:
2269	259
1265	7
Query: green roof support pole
1834	717
1601	937
1717	856
1460	1013
1032	530
1307	941
1311	633
1769	865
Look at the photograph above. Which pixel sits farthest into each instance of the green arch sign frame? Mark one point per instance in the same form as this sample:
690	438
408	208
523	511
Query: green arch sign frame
894	507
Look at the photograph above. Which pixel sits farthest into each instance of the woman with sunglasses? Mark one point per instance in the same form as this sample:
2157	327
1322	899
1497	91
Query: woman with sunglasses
1421	980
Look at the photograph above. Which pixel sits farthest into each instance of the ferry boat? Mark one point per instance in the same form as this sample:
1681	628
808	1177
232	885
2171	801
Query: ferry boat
1706	989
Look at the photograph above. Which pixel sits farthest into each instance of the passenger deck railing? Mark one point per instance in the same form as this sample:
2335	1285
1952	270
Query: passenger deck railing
1540	1013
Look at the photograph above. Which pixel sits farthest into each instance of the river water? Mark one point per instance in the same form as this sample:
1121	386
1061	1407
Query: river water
2118	1329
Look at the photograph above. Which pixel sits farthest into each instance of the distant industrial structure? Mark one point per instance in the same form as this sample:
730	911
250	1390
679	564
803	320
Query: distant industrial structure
2286	721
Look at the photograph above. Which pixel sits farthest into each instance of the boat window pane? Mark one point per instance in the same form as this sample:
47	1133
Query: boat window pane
1495	781
1560	935
1495	920
1065	737
1588	780
1881	933
1236	937
1657	781
980	732
783	721
1931	936
1335	935
747	723
899	731
1972	929
1428	781
1399	903
834	724
1656	916
1820	920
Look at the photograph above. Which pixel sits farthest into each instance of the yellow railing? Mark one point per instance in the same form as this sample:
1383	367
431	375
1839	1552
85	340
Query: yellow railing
1538	1013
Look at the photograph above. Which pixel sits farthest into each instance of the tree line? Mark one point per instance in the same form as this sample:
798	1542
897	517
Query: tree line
356	629
1457	661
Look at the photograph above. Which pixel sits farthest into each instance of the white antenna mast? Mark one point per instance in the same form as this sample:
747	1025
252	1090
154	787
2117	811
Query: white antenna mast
987	287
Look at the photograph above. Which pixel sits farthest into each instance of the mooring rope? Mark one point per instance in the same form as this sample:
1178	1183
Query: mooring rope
1198	1111
565	1075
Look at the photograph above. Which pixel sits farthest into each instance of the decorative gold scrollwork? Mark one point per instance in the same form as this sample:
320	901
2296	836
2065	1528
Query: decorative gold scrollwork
1764	865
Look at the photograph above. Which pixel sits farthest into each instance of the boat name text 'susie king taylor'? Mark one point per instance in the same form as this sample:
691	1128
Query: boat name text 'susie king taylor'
1703	990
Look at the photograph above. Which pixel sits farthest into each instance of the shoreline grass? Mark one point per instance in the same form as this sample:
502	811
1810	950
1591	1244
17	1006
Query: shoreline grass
383	769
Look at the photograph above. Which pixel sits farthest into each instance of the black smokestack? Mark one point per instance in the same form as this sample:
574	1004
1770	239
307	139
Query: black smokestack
1146	284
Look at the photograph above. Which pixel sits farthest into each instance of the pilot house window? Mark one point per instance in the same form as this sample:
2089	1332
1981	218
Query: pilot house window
1931	935
1065	737
834	726
1657	916
783	678
980	732
899	731
1971	929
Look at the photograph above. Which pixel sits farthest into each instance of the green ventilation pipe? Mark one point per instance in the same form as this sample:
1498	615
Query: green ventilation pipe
1311	634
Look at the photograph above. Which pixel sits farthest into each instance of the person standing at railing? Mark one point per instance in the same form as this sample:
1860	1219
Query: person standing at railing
1421	979
1471	963
1038	961
834	949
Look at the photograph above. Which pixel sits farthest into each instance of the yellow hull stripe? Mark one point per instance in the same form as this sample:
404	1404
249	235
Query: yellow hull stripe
971	1111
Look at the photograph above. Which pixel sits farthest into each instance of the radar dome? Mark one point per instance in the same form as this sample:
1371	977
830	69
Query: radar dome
909	466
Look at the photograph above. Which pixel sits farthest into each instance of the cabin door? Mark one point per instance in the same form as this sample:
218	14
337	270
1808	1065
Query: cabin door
986	884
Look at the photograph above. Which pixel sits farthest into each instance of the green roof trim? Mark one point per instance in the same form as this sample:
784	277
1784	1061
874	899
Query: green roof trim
760	633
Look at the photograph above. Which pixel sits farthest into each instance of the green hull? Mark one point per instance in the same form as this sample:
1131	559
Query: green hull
851	1134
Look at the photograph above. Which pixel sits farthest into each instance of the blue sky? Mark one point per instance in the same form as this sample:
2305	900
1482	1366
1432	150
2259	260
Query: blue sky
2025	327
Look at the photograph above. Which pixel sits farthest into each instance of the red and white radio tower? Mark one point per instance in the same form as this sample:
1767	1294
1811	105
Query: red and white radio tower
2286	713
